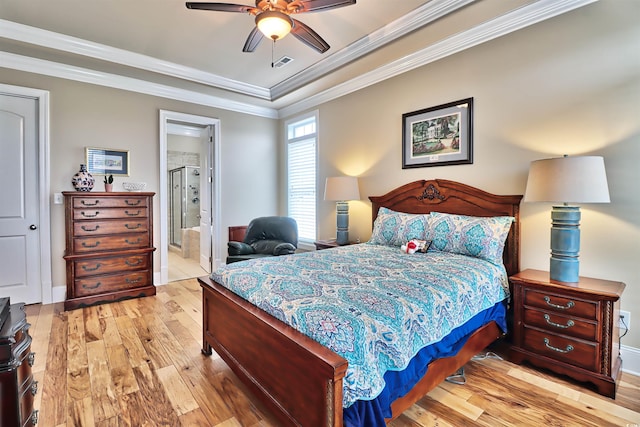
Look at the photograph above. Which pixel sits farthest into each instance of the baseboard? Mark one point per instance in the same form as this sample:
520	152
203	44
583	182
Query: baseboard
630	359
58	293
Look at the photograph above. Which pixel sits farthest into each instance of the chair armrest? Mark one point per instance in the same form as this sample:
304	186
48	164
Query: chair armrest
284	249
239	248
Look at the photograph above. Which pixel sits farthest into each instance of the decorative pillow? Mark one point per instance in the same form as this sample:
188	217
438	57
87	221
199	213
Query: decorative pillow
393	228
480	237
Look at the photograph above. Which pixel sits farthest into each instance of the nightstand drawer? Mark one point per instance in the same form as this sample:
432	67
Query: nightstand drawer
573	352
561	304
571	326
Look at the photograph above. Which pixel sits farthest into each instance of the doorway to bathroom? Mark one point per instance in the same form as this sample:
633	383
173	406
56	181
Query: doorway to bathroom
189	196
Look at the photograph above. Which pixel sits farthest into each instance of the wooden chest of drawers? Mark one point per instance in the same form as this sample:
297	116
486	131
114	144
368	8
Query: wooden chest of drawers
109	247
568	328
17	386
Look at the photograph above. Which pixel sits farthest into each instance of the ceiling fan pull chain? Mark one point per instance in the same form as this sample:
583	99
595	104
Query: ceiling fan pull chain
273	46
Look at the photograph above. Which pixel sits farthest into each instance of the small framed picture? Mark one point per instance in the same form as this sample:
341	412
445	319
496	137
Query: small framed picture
102	161
437	136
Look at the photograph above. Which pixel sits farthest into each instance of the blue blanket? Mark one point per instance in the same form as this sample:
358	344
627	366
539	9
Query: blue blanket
373	305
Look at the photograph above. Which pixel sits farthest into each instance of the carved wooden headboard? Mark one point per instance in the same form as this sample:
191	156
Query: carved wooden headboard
439	195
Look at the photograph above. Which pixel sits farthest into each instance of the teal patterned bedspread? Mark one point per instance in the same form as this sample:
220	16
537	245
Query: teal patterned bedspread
373	305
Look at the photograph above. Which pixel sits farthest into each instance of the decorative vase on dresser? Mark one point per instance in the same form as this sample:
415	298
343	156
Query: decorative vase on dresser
83	180
568	328
17	386
109	247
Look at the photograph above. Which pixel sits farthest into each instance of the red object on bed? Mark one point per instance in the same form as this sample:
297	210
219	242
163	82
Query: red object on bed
299	379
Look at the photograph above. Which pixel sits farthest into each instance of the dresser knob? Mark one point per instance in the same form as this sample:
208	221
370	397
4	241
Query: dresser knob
34	388
569	324
34	417
561	307
559	350
31	358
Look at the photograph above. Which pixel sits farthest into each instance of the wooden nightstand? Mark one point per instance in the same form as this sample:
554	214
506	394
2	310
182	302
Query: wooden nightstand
331	243
568	328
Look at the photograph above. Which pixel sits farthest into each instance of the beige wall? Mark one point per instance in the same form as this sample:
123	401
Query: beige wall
570	85
86	115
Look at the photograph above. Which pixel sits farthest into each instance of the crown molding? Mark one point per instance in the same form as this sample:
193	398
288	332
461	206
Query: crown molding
65	43
56	69
412	21
500	26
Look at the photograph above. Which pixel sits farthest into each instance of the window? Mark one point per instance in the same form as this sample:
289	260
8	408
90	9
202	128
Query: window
302	138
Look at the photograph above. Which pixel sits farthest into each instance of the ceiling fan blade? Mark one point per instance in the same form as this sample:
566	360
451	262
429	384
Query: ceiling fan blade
318	5
254	39
220	7
309	37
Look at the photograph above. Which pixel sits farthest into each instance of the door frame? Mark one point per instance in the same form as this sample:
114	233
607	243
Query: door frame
44	186
165	118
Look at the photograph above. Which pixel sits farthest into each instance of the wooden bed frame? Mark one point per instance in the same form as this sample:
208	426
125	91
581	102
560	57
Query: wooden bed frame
300	380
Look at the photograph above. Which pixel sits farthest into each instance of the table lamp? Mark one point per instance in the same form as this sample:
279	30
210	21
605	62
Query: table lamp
342	189
579	179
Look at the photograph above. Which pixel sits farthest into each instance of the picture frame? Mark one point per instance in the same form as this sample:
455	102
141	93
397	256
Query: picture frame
438	136
103	161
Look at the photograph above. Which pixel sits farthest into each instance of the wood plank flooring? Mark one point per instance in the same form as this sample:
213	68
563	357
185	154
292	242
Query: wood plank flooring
138	363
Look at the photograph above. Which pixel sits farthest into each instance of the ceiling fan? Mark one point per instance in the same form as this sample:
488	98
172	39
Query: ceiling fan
273	19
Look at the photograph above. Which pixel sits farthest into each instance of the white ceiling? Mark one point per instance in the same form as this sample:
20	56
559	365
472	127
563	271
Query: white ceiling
200	52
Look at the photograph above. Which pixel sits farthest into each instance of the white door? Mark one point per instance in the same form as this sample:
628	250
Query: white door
19	222
206	246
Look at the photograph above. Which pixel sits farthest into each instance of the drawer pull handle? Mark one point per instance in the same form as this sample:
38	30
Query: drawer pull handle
559	350
133	243
31	358
85	203
86	215
34	388
138	261
132	214
561	307
132	281
85	228
97	267
34	417
96	286
137	202
86	245
132	227
569	324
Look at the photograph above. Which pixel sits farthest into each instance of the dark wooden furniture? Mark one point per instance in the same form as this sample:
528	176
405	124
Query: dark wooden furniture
327	244
17	386
568	328
109	247
299	379
237	233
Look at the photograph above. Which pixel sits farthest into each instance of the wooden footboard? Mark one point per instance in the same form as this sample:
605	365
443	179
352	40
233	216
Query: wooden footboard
298	379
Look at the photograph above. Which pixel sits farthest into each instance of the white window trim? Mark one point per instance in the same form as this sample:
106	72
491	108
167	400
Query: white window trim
303	243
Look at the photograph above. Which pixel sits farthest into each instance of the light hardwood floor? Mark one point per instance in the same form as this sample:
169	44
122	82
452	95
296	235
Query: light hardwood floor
138	363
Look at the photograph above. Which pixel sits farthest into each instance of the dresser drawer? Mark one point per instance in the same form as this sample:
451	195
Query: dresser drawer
95	266
92	228
561	304
572	351
110	213
110	202
116	282
109	243
553	322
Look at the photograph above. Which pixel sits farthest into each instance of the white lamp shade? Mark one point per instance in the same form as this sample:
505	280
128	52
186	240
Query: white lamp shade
274	24
341	188
579	179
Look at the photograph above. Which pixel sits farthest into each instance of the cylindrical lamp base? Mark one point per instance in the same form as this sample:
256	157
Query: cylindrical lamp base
565	244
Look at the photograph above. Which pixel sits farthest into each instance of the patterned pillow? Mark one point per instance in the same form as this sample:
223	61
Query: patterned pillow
393	228
480	237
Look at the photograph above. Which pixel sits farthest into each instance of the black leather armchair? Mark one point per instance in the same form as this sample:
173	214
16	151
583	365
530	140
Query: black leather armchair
265	236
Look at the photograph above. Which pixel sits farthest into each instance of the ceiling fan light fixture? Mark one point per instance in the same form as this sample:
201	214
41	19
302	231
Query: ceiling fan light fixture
273	24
